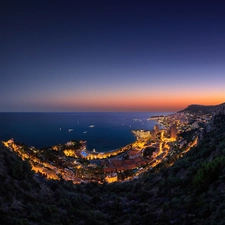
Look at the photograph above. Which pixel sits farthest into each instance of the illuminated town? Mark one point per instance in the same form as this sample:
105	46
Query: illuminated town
174	135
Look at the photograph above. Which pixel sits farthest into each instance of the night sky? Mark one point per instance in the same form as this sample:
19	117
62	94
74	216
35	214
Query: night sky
111	55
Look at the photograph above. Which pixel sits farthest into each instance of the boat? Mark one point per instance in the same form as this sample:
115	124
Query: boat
85	132
92	126
70	130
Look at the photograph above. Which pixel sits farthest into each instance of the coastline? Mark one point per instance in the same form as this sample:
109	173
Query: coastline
153	147
111	131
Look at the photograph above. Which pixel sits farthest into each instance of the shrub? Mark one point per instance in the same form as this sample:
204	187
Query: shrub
208	173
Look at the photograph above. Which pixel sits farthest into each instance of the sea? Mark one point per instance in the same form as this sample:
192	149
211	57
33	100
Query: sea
103	131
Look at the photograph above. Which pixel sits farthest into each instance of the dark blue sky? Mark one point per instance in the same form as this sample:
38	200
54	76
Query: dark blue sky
111	55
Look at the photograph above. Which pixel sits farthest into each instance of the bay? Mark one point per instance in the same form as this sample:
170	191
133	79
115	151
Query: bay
110	130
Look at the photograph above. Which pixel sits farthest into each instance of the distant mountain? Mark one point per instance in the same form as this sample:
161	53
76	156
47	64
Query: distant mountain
194	108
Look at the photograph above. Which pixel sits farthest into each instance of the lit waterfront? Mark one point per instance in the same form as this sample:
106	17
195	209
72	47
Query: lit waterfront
110	131
72	161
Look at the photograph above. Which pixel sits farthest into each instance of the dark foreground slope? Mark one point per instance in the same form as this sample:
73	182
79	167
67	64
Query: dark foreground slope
26	198
192	191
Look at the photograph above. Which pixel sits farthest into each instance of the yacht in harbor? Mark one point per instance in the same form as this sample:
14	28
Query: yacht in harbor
70	130
92	126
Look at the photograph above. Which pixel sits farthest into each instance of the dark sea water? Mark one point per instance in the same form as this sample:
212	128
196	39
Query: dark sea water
110	131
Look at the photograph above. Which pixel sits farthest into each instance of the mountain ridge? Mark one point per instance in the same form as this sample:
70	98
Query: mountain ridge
197	108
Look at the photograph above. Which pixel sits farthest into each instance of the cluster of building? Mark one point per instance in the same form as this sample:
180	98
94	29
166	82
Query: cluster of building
80	165
157	133
120	165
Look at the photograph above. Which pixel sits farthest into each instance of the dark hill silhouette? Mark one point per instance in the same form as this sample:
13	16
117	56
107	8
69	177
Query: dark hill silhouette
194	108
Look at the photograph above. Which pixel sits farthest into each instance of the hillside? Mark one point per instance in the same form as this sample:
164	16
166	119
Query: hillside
189	192
199	109
194	108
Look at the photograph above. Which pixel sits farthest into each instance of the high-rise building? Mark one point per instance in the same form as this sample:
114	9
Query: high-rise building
173	131
156	127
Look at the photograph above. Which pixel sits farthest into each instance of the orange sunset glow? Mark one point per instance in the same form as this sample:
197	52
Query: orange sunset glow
138	60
